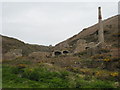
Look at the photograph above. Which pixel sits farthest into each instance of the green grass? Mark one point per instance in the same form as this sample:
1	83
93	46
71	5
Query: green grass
43	77
11	80
38	78
0	76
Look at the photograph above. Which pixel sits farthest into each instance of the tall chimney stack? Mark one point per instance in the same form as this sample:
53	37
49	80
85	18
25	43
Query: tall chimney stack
100	31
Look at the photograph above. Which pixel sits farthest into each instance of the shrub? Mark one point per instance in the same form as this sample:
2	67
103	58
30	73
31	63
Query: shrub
93	83
64	74
58	83
115	58
98	56
36	77
42	74
73	69
104	50
116	34
31	74
105	75
106	59
100	84
87	77
21	66
16	70
114	74
86	71
54	79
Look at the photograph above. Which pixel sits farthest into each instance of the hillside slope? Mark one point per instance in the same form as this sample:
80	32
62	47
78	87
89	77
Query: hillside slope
90	34
11	43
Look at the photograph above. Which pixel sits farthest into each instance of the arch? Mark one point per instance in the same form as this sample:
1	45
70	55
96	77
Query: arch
56	53
87	48
65	52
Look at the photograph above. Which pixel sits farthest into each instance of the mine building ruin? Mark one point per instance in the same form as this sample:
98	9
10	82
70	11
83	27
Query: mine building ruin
81	44
62	52
100	32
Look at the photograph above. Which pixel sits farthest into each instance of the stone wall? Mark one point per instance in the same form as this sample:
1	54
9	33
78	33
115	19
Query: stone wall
80	46
62	46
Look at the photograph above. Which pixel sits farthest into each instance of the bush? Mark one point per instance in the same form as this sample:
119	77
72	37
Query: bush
104	50
21	66
115	58
100	84
40	77
58	83
114	74
54	79
106	59
32	74
64	74
16	70
81	83
98	56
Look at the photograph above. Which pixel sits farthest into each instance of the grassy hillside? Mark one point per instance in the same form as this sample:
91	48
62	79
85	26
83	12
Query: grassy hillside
12	43
64	71
0	76
45	75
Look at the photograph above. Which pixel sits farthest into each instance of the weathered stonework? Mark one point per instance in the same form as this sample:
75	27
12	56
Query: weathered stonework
100	31
91	45
80	46
58	52
62	46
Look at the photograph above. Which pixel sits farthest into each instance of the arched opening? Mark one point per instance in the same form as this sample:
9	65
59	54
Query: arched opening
86	48
65	52
96	32
57	53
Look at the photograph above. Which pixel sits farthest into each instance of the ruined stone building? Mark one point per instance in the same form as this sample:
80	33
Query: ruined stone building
81	44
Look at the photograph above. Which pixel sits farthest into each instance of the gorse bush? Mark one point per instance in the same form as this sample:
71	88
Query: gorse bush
21	65
114	74
43	75
54	79
32	75
64	74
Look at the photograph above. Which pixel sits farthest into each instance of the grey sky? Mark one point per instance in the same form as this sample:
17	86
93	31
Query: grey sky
46	23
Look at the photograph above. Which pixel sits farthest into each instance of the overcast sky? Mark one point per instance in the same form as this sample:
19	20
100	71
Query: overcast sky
46	23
